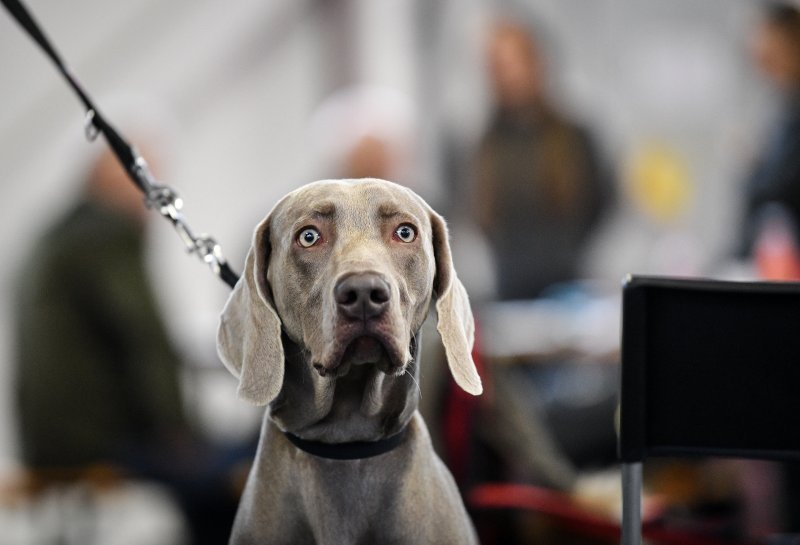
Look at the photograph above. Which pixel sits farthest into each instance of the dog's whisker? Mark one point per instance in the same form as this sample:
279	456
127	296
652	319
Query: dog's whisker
416	382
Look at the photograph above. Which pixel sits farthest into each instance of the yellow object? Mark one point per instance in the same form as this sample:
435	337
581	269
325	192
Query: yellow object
658	182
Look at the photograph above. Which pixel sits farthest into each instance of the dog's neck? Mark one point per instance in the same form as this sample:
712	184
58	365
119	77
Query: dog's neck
363	405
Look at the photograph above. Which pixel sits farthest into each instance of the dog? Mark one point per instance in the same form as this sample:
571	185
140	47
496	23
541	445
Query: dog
323	327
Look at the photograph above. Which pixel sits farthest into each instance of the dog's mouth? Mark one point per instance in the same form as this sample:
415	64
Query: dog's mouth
364	349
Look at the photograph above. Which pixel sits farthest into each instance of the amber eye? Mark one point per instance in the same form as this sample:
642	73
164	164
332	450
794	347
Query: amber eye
308	237
405	233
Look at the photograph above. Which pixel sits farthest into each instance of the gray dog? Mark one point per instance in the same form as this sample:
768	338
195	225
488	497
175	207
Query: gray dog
323	328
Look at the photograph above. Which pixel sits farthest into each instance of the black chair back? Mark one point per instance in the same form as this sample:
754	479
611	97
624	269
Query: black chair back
709	368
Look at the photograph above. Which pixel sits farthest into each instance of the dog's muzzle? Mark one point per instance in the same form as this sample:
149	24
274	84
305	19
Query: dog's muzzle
363	334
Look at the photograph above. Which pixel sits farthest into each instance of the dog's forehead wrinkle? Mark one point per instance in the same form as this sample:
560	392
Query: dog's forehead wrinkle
351	203
325	209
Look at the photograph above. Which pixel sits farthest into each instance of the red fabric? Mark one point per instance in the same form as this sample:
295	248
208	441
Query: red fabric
459	412
574	517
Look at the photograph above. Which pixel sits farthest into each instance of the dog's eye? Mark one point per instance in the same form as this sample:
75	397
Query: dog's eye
308	237
405	233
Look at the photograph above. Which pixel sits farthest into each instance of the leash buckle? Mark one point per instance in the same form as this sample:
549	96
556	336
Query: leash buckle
164	199
90	130
210	252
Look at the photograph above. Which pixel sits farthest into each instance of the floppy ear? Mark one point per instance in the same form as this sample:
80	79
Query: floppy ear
456	326
249	334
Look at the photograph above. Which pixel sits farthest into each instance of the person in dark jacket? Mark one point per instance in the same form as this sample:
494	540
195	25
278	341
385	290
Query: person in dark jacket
540	186
774	182
97	377
97	374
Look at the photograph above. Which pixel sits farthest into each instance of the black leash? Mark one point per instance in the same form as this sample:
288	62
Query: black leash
354	450
161	197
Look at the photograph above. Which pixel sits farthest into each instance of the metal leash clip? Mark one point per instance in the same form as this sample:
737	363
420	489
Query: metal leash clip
166	201
210	251
89	128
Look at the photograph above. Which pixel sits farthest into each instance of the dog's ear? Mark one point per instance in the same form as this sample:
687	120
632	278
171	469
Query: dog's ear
456	325
249	334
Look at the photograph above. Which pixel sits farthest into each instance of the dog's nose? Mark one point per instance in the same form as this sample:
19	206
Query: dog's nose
362	296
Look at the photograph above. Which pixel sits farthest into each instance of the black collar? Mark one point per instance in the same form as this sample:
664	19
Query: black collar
354	450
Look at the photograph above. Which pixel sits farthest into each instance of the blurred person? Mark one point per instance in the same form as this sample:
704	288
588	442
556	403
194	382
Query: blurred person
770	235
97	377
772	189
539	186
539	190
366	131
96	370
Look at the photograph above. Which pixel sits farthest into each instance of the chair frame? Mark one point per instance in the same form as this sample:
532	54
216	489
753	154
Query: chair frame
635	439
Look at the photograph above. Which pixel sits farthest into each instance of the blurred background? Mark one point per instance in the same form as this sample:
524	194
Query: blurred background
642	121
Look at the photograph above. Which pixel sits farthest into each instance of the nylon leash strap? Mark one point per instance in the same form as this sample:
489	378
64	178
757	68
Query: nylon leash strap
158	196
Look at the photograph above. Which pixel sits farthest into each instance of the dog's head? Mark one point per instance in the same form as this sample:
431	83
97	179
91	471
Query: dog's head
347	269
